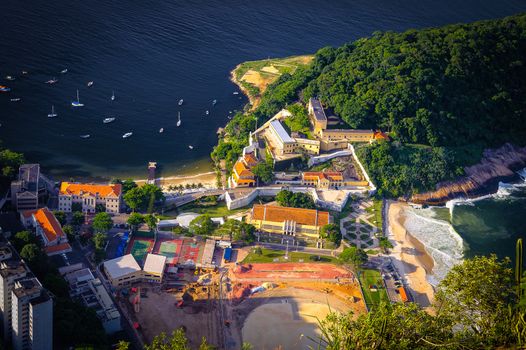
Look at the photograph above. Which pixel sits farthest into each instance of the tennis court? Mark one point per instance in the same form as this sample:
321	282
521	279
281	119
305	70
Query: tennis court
191	252
139	249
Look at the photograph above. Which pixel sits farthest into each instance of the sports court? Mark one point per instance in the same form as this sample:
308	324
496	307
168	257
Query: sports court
139	247
191	253
170	248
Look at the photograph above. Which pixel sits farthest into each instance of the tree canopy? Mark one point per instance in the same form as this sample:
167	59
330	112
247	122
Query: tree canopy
102	222
354	256
288	198
141	198
202	225
331	232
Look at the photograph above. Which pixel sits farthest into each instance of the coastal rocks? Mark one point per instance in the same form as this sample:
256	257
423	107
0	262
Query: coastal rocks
496	165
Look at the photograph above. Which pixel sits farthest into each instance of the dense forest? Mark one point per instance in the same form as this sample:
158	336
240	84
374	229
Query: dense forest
452	91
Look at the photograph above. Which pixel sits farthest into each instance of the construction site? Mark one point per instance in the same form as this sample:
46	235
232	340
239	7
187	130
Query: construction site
230	305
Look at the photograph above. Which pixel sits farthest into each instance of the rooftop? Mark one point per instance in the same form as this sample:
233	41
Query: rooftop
249	159
58	249
319	113
315	175
113	190
121	266
311	217
349	131
242	170
49	224
12	267
27	288
281	132
154	264
30	174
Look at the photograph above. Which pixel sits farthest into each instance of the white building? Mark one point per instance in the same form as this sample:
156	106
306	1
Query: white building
90	196
32	316
122	271
11	270
48	229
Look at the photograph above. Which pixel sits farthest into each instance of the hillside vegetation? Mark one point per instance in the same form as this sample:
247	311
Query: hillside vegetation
452	90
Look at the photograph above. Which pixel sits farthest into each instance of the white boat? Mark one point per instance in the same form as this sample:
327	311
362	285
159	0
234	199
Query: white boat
128	134
113	95
108	120
87	136
214	102
10	78
161	130
77	102
52	114
181	101
15	99
24	72
90	83
52	81
64	71
178	118
235	93
191	147
207	112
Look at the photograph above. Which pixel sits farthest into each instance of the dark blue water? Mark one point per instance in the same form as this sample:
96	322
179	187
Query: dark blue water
152	53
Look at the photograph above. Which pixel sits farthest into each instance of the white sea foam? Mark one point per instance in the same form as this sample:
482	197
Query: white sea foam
440	239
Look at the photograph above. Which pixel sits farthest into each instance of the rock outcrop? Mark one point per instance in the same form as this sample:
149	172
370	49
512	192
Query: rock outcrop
496	165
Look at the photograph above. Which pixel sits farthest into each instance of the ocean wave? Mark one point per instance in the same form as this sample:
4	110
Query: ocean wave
439	238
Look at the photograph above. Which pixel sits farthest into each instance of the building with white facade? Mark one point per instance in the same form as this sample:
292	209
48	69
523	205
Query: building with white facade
89	196
48	229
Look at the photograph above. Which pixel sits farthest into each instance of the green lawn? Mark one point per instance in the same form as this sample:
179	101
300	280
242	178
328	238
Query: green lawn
376	209
372	277
269	256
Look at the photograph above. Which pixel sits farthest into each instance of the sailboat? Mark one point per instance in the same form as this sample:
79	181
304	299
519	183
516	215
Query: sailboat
207	112
87	136
214	102
113	95
52	114
64	71
17	99
108	120
128	134
191	147
181	102
90	83
161	130
179	118
77	102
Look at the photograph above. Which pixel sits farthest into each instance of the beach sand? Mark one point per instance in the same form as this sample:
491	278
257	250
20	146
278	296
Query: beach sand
410	257
208	180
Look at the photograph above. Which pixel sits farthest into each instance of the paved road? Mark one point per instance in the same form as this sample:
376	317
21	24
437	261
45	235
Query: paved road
315	251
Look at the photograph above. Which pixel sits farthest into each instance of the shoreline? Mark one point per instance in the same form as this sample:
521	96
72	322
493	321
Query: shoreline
410	257
253	101
207	179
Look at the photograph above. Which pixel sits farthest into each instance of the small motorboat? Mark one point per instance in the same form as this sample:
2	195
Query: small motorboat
235	93
108	120
16	99
179	119
52	114
128	134
191	147
64	71
161	130
77	102
181	101
207	112
87	136
10	78
113	95
4	88
90	83
214	102
24	72
52	81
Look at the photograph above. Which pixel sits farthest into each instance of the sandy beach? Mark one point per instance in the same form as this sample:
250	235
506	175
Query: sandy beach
410	257
208	180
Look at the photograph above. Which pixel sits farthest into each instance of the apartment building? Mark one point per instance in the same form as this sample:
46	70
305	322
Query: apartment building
27	189
32	316
89	196
11	270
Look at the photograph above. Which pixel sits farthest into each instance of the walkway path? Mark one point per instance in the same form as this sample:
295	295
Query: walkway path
357	227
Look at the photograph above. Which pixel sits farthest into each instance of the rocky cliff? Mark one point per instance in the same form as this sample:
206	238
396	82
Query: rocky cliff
496	165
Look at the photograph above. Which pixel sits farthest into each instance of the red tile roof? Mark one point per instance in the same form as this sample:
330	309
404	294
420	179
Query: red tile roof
49	223
315	175
250	160
311	217
103	190
57	249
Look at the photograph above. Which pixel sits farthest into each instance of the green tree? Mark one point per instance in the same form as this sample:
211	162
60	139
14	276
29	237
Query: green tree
23	238
77	218
177	341
202	225
102	222
61	217
127	184
123	345
151	221
288	198
99	240
134	220
135	198
331	232
240	231
69	231
31	253
264	172
385	244
353	256
10	162
476	296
